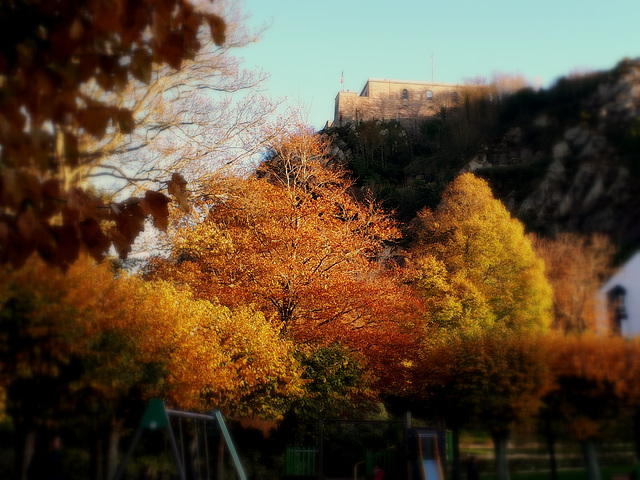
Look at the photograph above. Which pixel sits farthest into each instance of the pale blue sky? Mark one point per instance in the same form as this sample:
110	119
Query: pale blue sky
310	43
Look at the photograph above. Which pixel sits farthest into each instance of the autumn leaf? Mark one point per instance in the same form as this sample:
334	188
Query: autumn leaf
95	120
126	121
171	50
94	239
178	188
129	220
156	205
141	65
217	27
66	247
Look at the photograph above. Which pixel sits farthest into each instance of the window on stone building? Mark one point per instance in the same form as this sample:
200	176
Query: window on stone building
454	97
429	95
405	94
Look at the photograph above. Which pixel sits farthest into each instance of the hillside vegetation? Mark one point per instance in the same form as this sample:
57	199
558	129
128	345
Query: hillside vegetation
562	159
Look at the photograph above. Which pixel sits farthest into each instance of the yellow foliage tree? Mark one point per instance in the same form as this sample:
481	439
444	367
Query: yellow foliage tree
487	303
474	264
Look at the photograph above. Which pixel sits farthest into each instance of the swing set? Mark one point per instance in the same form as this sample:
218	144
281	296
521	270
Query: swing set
190	437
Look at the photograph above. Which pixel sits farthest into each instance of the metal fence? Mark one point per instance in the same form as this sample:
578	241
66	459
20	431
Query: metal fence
300	461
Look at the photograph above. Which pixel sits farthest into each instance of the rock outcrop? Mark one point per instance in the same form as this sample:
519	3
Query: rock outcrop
592	181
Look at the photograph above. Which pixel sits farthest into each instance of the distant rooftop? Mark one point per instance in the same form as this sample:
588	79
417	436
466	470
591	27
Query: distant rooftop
415	82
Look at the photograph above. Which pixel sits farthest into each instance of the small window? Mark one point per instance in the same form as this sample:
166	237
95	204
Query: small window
454	97
429	95
405	94
617	307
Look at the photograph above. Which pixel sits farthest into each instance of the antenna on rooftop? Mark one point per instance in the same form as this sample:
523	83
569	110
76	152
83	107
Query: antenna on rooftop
432	57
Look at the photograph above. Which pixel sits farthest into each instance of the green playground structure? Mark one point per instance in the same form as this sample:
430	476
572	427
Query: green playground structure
190	444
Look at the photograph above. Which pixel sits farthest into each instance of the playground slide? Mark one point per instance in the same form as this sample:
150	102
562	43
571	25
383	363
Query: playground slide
431	470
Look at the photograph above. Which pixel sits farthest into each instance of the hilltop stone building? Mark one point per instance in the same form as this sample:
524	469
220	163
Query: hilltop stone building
399	100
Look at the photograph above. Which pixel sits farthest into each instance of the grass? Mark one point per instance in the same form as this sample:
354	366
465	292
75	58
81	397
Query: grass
572	474
528	458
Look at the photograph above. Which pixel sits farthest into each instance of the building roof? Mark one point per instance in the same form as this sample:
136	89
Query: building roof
412	82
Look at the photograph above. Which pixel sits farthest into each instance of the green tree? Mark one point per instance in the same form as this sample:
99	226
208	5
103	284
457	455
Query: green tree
337	385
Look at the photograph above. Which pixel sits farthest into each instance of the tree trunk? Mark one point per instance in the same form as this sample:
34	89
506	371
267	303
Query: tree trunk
220	463
636	431
456	466
96	457
500	440
551	448
591	460
113	447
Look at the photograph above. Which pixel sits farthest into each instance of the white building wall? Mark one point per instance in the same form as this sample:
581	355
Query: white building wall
627	277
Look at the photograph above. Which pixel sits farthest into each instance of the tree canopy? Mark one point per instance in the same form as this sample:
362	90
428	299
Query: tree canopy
487	303
474	264
304	252
86	330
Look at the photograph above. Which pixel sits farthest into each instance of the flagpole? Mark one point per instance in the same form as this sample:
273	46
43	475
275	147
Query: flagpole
342	80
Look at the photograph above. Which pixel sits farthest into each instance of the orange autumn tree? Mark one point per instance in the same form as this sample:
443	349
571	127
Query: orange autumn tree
295	243
576	266
595	382
116	340
299	247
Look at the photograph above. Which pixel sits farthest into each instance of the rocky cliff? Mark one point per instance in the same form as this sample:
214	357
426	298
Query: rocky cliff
592	150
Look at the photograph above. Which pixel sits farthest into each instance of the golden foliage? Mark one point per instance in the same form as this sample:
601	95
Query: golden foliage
475	266
118	327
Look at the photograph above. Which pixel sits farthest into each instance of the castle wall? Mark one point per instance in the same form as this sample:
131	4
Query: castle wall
397	100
